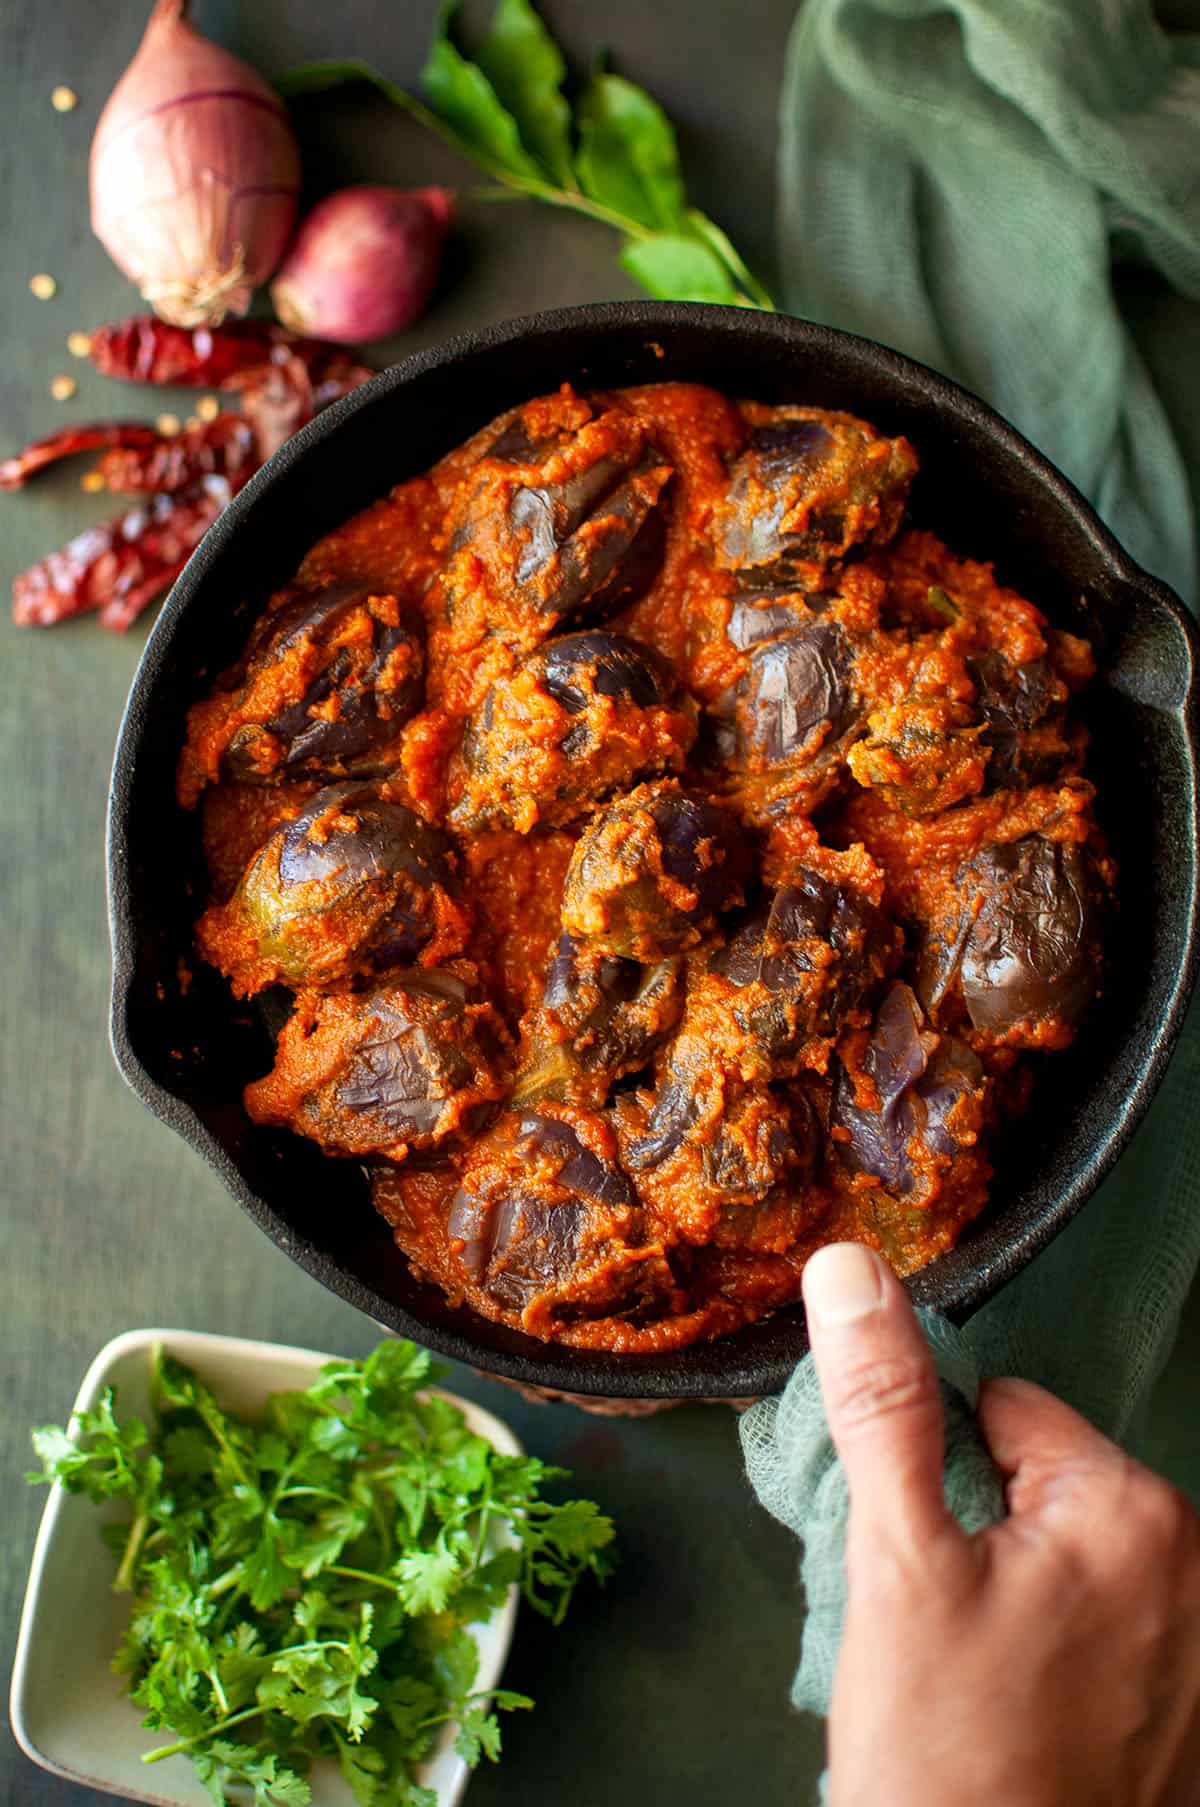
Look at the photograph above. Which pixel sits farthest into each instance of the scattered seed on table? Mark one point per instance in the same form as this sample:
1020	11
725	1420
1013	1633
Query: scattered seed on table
208	407
168	425
64	99
92	481
79	344
63	388
43	286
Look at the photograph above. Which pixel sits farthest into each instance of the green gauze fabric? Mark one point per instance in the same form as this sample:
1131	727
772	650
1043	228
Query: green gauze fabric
971	181
956	178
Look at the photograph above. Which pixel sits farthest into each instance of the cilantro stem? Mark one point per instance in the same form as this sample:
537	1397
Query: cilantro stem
334	1568
218	1690
123	1581
212	1731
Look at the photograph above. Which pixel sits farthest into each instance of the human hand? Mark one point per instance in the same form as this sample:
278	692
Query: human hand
1052	1659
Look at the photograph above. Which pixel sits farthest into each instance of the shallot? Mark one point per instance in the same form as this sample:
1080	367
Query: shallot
194	174
363	263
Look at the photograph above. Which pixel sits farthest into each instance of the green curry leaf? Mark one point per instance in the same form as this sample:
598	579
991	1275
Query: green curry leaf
677	268
465	100
614	159
526	69
628	160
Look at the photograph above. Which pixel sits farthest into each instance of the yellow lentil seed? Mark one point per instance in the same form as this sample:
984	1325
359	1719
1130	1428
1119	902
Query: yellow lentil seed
63	388
93	482
64	99
43	286
79	344
208	407
168	425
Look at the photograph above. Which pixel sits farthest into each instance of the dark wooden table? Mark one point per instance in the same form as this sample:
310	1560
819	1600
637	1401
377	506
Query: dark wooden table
673	1683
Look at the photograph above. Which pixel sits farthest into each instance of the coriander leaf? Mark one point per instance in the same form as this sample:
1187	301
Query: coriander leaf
229	1520
323	1540
393	1372
266	1577
676	268
526	69
426	1578
464	99
413	1708
478	1735
103	1459
188	1451
320	1681
627	159
462	1462
577	1527
478	1727
508	1699
52	1444
271	1452
489	1584
225	1761
455	1662
517	1478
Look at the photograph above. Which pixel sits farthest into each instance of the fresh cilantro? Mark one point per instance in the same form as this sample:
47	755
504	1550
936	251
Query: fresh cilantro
304	1587
613	157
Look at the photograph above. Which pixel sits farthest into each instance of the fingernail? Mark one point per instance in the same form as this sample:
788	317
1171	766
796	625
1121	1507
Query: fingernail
842	1283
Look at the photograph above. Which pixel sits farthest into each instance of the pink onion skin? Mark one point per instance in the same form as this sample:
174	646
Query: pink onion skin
194	174
363	263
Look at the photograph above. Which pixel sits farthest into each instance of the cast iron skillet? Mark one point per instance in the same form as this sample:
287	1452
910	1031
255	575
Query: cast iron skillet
187	1051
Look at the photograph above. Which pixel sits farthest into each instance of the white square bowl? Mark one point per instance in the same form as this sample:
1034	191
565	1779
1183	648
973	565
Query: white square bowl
67	1708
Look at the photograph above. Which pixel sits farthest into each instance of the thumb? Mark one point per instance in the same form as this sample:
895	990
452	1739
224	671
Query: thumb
881	1395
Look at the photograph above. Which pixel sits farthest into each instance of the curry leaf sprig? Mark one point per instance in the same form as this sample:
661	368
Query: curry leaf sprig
304	1586
612	157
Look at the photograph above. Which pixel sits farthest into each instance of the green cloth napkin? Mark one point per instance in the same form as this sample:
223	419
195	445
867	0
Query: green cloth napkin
1010	190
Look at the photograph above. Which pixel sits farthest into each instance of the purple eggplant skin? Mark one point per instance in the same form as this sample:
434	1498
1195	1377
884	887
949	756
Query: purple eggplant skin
562	1218
755	619
374	700
408	1062
416	1054
803	961
574	668
1012	699
621	894
923	1081
793	688
1025	948
600	1017
591	543
601	573
745	1153
788	462
586	674
375	881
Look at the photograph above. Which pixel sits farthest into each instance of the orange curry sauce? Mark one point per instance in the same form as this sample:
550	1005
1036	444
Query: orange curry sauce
677	861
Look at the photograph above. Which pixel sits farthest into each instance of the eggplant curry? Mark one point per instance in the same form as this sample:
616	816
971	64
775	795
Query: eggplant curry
676	862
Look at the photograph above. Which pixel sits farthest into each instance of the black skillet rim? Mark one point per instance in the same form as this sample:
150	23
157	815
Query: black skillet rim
717	1369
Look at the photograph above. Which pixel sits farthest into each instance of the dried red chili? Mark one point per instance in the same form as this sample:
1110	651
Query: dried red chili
224	447
132	435
145	349
277	400
122	565
118	568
